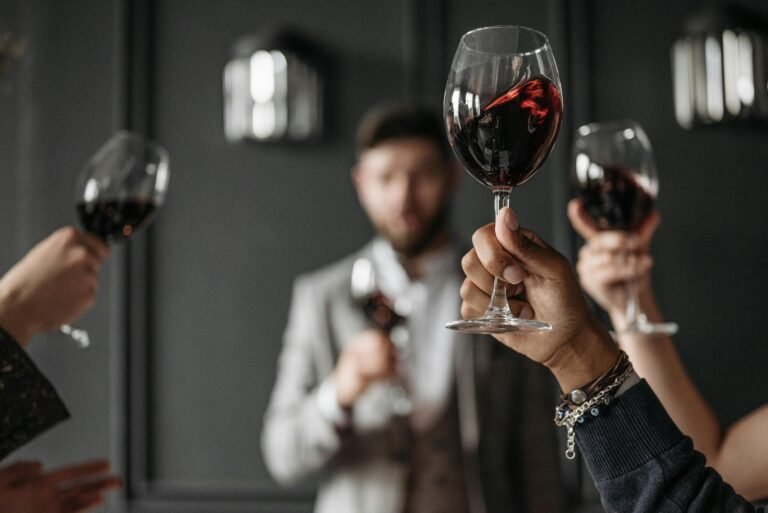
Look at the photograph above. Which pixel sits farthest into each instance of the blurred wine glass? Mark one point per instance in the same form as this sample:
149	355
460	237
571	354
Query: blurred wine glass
383	313
119	192
615	176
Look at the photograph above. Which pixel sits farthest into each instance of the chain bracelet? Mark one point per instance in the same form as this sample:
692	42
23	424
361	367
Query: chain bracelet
571	418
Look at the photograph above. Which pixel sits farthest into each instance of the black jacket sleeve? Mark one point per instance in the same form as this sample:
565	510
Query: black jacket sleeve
642	463
29	404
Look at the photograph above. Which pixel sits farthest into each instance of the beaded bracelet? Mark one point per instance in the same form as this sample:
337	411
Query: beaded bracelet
590	398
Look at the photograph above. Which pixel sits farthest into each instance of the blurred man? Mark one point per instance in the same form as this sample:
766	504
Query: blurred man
475	436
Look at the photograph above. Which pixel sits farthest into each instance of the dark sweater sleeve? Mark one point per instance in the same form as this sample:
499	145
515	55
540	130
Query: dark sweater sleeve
29	404
642	463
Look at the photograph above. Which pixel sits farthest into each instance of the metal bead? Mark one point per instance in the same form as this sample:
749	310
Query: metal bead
578	396
595	412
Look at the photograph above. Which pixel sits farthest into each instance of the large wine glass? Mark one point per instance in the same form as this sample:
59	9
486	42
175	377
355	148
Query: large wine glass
502	108
615	175
119	191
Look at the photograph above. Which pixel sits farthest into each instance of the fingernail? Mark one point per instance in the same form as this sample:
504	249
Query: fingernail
513	274
511	219
526	313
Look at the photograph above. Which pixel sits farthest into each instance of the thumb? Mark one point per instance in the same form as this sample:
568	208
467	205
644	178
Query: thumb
580	220
535	255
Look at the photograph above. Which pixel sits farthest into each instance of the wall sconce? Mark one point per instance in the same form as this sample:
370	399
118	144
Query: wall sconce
273	89
720	68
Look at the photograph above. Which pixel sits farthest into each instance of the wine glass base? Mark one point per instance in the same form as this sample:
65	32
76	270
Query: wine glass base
80	337
491	325
650	328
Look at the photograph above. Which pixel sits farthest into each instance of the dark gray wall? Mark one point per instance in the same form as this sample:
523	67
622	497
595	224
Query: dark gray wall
710	270
189	320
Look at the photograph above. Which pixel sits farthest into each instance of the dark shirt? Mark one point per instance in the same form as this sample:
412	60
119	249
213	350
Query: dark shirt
642	463
29	404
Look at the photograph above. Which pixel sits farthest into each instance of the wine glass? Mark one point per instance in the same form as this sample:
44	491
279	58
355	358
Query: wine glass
119	192
383	313
615	175
502	106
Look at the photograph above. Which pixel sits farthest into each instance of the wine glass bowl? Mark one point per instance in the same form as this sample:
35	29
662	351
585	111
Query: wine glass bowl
503	109
616	178
122	186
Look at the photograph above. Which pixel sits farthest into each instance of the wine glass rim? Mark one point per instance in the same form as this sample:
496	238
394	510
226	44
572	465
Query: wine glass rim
595	126
125	133
544	45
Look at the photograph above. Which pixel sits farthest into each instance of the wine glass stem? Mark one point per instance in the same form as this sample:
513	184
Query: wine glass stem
634	315
499	306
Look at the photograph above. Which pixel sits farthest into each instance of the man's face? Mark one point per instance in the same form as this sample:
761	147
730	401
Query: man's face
404	186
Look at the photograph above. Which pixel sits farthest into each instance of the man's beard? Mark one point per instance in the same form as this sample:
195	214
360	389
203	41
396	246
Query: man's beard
414	247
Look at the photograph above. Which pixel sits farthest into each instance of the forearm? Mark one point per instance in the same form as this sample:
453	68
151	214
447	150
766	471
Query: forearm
641	462
743	455
656	359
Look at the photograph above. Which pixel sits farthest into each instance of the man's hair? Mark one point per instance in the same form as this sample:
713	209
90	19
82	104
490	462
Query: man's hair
386	123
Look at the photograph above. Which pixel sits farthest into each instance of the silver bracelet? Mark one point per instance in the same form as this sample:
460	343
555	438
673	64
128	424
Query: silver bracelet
569	418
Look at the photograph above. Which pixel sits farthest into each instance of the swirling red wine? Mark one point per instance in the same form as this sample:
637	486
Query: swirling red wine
114	220
613	198
504	144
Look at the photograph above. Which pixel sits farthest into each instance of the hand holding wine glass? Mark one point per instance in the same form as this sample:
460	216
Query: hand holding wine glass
383	313
55	282
503	106
119	191
616	180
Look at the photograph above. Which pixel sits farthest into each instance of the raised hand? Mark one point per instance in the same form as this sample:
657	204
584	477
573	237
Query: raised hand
611	259
54	284
368	358
578	345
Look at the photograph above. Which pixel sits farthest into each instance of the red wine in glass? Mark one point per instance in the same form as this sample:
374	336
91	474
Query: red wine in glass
615	200
513	135
115	220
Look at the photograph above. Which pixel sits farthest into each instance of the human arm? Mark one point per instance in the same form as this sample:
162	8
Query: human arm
603	271
54	283
666	475
26	488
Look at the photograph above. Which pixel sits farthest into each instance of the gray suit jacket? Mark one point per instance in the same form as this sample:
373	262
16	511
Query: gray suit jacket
504	407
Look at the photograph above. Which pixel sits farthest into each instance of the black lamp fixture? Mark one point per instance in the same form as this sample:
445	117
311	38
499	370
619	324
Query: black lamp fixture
720	68
273	89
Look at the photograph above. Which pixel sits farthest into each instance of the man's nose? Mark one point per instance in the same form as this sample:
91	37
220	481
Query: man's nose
404	193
